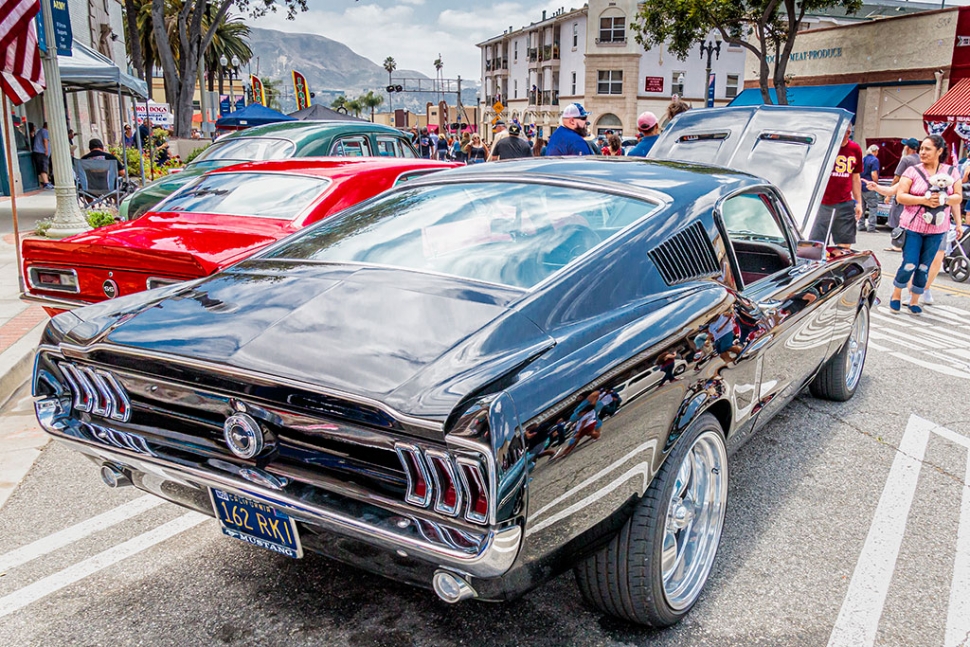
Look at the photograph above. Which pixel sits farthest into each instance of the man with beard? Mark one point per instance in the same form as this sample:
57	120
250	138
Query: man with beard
568	139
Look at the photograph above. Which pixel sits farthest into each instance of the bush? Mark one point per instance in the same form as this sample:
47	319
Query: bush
101	217
195	153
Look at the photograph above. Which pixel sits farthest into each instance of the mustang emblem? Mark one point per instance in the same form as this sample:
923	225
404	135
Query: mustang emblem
243	435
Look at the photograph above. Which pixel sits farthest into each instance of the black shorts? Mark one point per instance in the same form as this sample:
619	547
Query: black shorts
842	217
42	163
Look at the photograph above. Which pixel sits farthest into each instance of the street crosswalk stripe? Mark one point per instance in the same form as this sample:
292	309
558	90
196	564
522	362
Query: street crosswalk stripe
958	615
31	593
890	335
78	531
959	311
874	346
892	320
933	366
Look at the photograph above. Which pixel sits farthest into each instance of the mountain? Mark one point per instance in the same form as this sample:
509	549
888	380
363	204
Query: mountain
332	68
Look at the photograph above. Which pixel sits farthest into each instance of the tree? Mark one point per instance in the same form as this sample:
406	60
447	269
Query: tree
390	65
196	22
340	103
231	39
273	89
133	37
681	24
355	106
371	100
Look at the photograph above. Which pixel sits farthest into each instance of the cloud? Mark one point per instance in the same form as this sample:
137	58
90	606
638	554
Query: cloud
415	32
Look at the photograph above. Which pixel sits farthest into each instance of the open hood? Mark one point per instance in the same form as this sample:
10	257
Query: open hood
793	148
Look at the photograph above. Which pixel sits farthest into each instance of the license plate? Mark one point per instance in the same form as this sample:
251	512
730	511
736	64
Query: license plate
256	523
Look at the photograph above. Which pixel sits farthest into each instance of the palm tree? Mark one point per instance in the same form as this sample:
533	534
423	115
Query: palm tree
390	65
438	64
371	100
231	39
272	88
340	103
355	106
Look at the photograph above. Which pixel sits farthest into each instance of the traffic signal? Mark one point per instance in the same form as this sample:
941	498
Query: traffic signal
395	88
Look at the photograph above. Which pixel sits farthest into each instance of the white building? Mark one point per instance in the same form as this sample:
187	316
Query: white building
589	56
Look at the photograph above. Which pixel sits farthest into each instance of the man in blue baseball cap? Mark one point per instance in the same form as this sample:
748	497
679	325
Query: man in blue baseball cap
568	138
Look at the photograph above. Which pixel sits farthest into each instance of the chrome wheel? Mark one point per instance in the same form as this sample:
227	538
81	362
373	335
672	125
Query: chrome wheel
858	342
695	518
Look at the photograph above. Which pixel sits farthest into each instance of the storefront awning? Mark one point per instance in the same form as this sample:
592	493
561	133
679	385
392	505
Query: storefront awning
844	96
87	69
953	106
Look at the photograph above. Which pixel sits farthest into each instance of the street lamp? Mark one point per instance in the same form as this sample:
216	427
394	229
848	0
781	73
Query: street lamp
232	72
711	48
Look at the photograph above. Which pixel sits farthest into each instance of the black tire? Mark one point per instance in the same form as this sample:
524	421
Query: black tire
625	578
839	378
959	269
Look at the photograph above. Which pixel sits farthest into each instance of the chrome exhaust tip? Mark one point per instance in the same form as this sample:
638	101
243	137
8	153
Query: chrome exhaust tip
113	477
452	588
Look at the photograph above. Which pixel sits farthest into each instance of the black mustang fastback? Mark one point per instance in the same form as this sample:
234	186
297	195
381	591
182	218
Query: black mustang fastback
487	376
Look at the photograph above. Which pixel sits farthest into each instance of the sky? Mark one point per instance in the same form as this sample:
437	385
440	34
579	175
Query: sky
414	32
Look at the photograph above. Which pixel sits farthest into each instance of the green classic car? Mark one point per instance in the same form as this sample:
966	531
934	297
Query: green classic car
273	142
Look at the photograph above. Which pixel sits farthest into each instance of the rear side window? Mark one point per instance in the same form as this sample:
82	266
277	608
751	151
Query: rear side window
249	149
356	146
758	239
392	147
260	195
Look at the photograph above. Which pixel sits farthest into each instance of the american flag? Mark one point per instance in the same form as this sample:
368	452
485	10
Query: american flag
21	75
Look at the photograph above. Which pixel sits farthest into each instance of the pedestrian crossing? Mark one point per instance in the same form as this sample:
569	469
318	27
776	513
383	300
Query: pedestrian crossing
938	340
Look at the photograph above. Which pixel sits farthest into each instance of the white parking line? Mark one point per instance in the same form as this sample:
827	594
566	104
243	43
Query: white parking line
859	617
78	531
958	615
31	593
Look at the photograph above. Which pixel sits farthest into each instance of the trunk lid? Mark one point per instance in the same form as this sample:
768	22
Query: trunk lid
793	148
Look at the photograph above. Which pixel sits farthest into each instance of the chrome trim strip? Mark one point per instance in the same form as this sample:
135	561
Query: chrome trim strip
81	352
99	409
52	302
468	465
83	395
411	458
444	460
122	412
493	558
68	270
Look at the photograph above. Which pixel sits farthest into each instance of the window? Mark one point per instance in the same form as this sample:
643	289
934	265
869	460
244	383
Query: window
731	88
356	146
261	195
392	147
515	52
759	242
249	149
514	234
575	35
573	92
610	82
612	29
677	82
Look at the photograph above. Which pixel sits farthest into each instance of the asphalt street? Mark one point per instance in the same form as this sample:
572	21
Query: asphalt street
848	524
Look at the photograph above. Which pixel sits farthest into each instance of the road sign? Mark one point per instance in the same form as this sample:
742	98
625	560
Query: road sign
498	107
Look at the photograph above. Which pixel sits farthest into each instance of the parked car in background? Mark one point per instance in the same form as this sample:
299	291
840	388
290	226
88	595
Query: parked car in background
216	220
440	384
282	140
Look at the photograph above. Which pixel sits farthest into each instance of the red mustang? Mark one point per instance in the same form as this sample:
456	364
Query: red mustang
225	216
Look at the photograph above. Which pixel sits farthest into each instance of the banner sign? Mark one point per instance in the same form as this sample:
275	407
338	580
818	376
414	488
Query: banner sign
159	113
301	90
653	84
224	102
710	91
259	95
63	36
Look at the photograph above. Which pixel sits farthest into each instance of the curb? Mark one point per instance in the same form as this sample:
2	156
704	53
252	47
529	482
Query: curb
17	362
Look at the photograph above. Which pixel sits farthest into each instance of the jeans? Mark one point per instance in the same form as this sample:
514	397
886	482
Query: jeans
918	253
871	200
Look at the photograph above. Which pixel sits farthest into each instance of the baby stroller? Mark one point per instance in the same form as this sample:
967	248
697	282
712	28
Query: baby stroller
957	262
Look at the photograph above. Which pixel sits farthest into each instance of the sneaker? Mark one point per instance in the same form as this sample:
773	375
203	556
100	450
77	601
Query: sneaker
871	230
895	306
927	298
916	310
861	226
48	186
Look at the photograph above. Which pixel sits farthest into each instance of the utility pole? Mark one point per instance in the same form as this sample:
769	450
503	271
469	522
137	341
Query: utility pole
68	219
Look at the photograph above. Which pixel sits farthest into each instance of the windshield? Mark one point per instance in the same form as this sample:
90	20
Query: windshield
248	149
511	234
260	195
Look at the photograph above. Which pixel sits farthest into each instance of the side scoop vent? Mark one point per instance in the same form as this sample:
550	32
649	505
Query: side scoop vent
686	256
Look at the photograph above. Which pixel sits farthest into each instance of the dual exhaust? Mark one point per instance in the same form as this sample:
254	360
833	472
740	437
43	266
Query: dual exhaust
450	587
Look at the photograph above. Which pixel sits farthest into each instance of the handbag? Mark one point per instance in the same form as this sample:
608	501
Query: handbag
899	237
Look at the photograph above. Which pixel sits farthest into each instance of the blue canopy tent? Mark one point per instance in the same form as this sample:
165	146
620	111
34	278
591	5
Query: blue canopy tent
254	114
844	96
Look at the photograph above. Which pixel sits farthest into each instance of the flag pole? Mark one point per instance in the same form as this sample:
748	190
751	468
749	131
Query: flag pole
8	144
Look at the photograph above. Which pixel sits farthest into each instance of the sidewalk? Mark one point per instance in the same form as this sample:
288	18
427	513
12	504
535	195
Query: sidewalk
20	328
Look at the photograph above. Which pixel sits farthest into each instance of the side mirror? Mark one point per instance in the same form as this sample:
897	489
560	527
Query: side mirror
812	250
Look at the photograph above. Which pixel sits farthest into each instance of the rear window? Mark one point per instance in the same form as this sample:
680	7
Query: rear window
259	195
511	234
248	149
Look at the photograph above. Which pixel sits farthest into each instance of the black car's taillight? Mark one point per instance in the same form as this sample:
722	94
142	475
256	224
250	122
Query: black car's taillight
451	485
